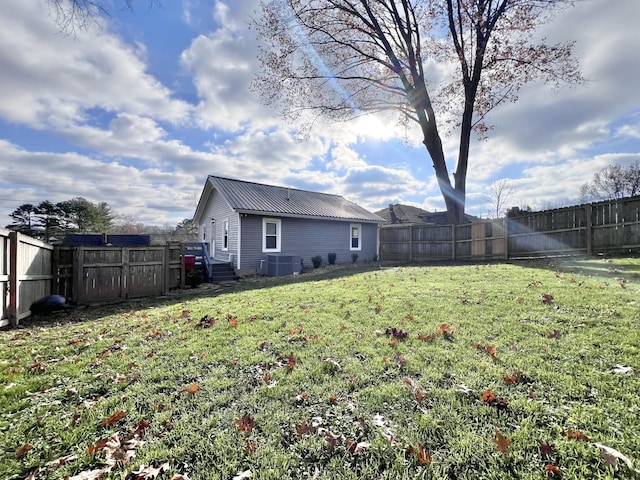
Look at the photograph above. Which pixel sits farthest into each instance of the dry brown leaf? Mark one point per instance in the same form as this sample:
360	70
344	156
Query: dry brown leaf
488	397
191	388
423	457
355	448
245	423
61	461
502	442
144	473
116	417
91	474
291	361
21	452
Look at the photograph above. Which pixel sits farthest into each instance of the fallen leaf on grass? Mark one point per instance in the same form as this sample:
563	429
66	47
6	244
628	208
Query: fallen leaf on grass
291	361
243	475
302	397
611	456
97	474
23	450
426	338
487	348
355	448
553	470
502	442
576	435
250	447
488	397
332	440
546	449
622	370
57	463
191	388
396	333
445	331
207	322
245	423
143	473
511	379
115	418
546	298
303	429
423	457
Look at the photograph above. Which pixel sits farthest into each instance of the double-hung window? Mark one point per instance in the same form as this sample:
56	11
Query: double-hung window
271	235
356	236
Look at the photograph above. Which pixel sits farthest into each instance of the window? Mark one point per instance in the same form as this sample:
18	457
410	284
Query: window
356	232
225	234
270	235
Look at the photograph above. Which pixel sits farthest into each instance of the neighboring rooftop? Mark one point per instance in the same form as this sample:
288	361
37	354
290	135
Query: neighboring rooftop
406	214
261	199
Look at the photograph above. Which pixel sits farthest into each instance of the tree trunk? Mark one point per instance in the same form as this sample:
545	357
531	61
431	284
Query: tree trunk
454	198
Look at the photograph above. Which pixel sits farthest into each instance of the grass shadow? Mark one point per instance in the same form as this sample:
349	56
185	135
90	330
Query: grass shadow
88	313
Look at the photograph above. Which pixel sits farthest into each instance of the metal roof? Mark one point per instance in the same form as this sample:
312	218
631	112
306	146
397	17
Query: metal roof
257	198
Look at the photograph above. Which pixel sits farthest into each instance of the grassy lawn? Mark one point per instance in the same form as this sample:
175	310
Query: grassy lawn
492	371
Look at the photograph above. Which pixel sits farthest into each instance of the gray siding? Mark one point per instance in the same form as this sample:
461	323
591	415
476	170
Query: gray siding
307	238
218	209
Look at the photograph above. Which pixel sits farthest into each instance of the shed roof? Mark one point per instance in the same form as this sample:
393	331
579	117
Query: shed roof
261	199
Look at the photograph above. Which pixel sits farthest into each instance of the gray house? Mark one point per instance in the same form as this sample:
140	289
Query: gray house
250	225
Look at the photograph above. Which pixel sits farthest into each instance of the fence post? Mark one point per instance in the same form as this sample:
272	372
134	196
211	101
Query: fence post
505	229
167	269
14	287
589	229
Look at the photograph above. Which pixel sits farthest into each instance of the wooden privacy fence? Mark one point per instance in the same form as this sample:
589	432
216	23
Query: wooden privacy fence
103	274
25	274
610	226
417	243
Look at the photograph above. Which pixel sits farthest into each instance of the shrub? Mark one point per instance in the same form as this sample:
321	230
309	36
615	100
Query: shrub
354	257
195	277
317	261
332	258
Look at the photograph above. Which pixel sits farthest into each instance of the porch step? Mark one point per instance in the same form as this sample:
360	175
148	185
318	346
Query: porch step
222	272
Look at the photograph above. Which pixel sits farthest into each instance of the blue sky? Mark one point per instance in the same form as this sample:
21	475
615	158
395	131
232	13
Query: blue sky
139	109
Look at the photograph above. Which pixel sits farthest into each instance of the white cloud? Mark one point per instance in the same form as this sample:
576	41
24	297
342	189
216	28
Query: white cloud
48	78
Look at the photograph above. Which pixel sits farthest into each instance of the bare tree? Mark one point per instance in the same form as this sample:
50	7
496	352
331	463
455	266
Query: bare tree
500	193
73	14
340	59
612	182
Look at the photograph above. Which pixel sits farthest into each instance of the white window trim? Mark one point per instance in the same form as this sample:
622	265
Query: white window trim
278	223
225	231
359	227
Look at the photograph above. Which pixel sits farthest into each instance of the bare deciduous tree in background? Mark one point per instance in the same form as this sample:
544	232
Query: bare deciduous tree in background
500	193
429	61
73	14
612	183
